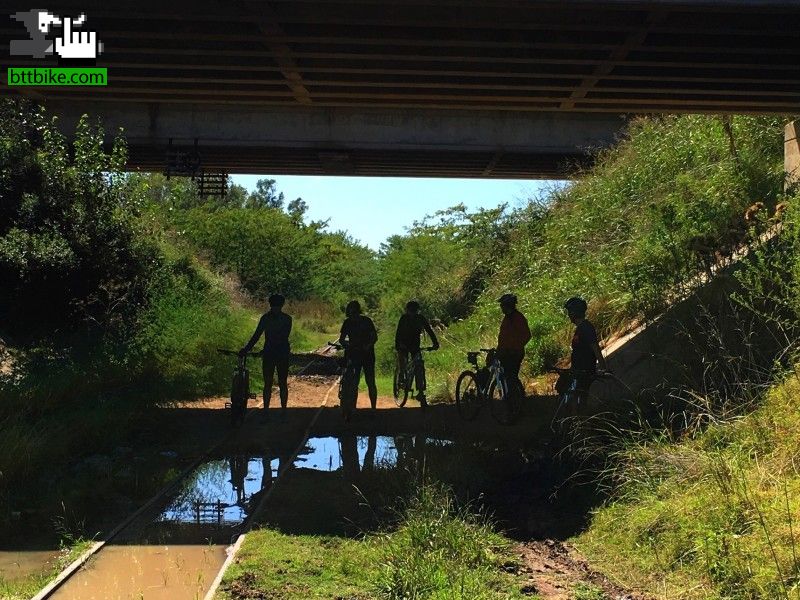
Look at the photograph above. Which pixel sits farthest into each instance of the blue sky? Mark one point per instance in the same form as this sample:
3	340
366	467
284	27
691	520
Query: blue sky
373	208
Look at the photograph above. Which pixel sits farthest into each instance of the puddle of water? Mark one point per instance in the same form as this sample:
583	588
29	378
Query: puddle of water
220	491
16	564
176	553
145	572
362	452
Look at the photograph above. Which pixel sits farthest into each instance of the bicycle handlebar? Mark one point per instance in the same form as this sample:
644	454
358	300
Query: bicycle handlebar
561	371
236	352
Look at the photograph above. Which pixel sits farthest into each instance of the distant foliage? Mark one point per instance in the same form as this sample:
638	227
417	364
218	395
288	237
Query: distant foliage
269	246
445	260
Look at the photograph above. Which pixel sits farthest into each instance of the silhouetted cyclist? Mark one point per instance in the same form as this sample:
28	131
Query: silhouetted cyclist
358	336
586	352
407	343
276	326
514	335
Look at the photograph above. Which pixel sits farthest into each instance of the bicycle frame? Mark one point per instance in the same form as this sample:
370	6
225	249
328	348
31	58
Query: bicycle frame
498	375
491	387
409	375
572	393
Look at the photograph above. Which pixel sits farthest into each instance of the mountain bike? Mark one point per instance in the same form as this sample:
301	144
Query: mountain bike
582	388
240	386
487	385
404	378
348	384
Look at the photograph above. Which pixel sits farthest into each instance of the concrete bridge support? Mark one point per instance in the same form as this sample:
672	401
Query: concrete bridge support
791	153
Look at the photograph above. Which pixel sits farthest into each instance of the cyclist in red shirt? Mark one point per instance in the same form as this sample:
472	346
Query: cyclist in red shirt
512	339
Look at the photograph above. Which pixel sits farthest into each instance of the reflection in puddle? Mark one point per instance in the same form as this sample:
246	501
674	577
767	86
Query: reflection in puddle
221	491
357	453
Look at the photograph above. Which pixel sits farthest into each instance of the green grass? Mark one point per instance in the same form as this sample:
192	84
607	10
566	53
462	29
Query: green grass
437	551
586	591
283	566
713	517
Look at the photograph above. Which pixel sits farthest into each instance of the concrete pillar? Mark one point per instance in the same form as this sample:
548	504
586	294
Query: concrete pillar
791	153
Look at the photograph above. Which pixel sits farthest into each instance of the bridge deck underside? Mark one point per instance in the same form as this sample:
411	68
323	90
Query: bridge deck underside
603	56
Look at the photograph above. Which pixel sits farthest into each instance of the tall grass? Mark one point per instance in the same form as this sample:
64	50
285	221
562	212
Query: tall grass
712	517
441	550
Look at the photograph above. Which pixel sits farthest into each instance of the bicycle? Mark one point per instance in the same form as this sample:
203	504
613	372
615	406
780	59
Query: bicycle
585	387
348	384
488	384
240	386
403	380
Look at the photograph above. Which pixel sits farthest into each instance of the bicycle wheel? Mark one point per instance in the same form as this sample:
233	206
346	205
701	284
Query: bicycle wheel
607	393
239	394
348	393
400	386
468	396
500	405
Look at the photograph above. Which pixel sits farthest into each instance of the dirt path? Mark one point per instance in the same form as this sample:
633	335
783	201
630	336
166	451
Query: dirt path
555	570
305	391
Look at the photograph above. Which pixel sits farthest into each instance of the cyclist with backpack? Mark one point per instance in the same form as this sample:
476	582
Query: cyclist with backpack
276	326
586	353
358	336
407	344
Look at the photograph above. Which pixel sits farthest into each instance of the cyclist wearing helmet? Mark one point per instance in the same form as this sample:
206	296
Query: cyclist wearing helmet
358	336
586	352
407	343
276	326
513	337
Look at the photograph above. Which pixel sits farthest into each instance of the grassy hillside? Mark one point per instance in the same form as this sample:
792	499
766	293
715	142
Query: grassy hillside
661	206
715	516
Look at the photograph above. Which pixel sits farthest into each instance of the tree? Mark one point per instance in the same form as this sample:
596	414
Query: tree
296	210
236	196
265	196
73	257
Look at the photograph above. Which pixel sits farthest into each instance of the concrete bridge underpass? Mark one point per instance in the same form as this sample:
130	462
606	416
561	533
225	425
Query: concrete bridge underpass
476	88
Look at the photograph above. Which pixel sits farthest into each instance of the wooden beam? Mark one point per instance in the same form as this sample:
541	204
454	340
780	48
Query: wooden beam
212	86
268	25
605	105
633	40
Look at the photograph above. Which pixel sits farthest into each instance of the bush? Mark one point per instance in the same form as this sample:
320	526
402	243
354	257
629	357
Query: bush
72	259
